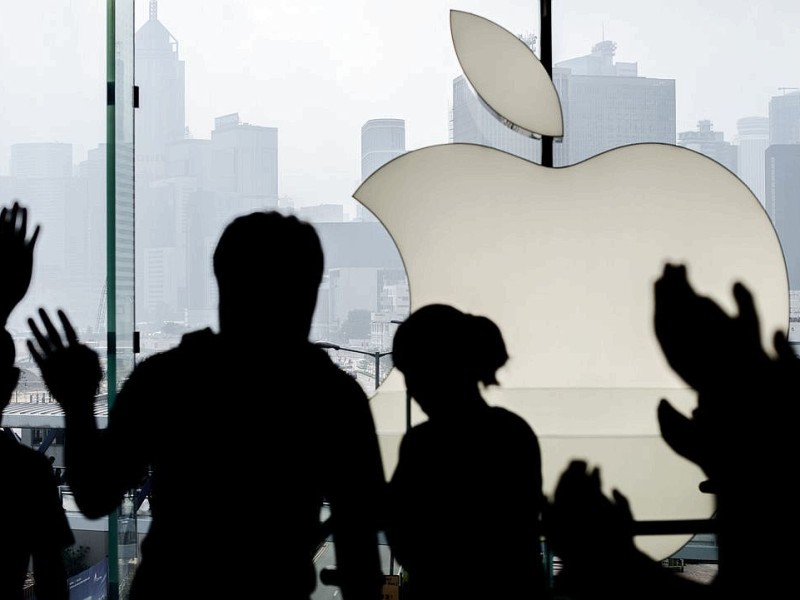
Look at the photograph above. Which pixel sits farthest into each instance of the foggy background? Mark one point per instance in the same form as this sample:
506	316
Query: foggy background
296	83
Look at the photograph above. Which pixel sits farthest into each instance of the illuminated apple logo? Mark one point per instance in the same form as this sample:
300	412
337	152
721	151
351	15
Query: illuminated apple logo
564	261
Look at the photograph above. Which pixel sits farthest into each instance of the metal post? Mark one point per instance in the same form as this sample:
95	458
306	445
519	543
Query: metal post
111	182
546	44
377	369
408	410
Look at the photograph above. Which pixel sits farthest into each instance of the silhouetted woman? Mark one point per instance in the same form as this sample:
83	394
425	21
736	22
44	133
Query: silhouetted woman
465	498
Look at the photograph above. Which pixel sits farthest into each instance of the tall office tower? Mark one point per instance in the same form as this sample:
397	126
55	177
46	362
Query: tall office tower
784	118
160	75
782	180
606	104
41	175
381	141
473	123
752	140
244	167
85	237
163	283
160	121
711	143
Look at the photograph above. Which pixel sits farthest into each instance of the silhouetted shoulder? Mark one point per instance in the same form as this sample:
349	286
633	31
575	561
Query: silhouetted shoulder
505	418
162	377
202	342
490	418
328	374
193	345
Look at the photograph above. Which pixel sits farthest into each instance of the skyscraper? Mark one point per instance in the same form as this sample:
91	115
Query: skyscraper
783	203
782	178
782	190
711	143
160	75
245	160
607	104
784	118
752	140
381	141
41	173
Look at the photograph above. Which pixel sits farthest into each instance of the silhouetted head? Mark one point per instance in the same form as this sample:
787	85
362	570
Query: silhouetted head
9	374
268	268
444	354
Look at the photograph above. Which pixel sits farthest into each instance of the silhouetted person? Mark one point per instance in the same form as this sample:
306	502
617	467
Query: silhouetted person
465	498
33	525
256	397
739	434
57	475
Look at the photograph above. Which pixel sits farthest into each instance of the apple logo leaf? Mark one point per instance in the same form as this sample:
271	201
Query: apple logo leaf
506	75
564	261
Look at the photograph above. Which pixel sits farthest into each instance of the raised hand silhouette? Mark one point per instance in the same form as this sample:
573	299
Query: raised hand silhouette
700	341
582	523
721	357
588	531
16	257
70	370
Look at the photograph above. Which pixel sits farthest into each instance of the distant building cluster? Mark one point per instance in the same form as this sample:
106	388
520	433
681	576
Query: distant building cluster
187	188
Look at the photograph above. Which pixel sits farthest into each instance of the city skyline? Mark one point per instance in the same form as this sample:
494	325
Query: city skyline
189	184
374	74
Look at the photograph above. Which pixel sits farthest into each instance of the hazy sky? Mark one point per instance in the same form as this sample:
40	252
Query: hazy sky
318	70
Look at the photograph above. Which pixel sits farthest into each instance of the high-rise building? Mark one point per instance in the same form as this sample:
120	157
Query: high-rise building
783	203
245	159
606	104
784	118
41	173
782	177
85	238
41	176
163	283
160	76
752	139
711	143
381	141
